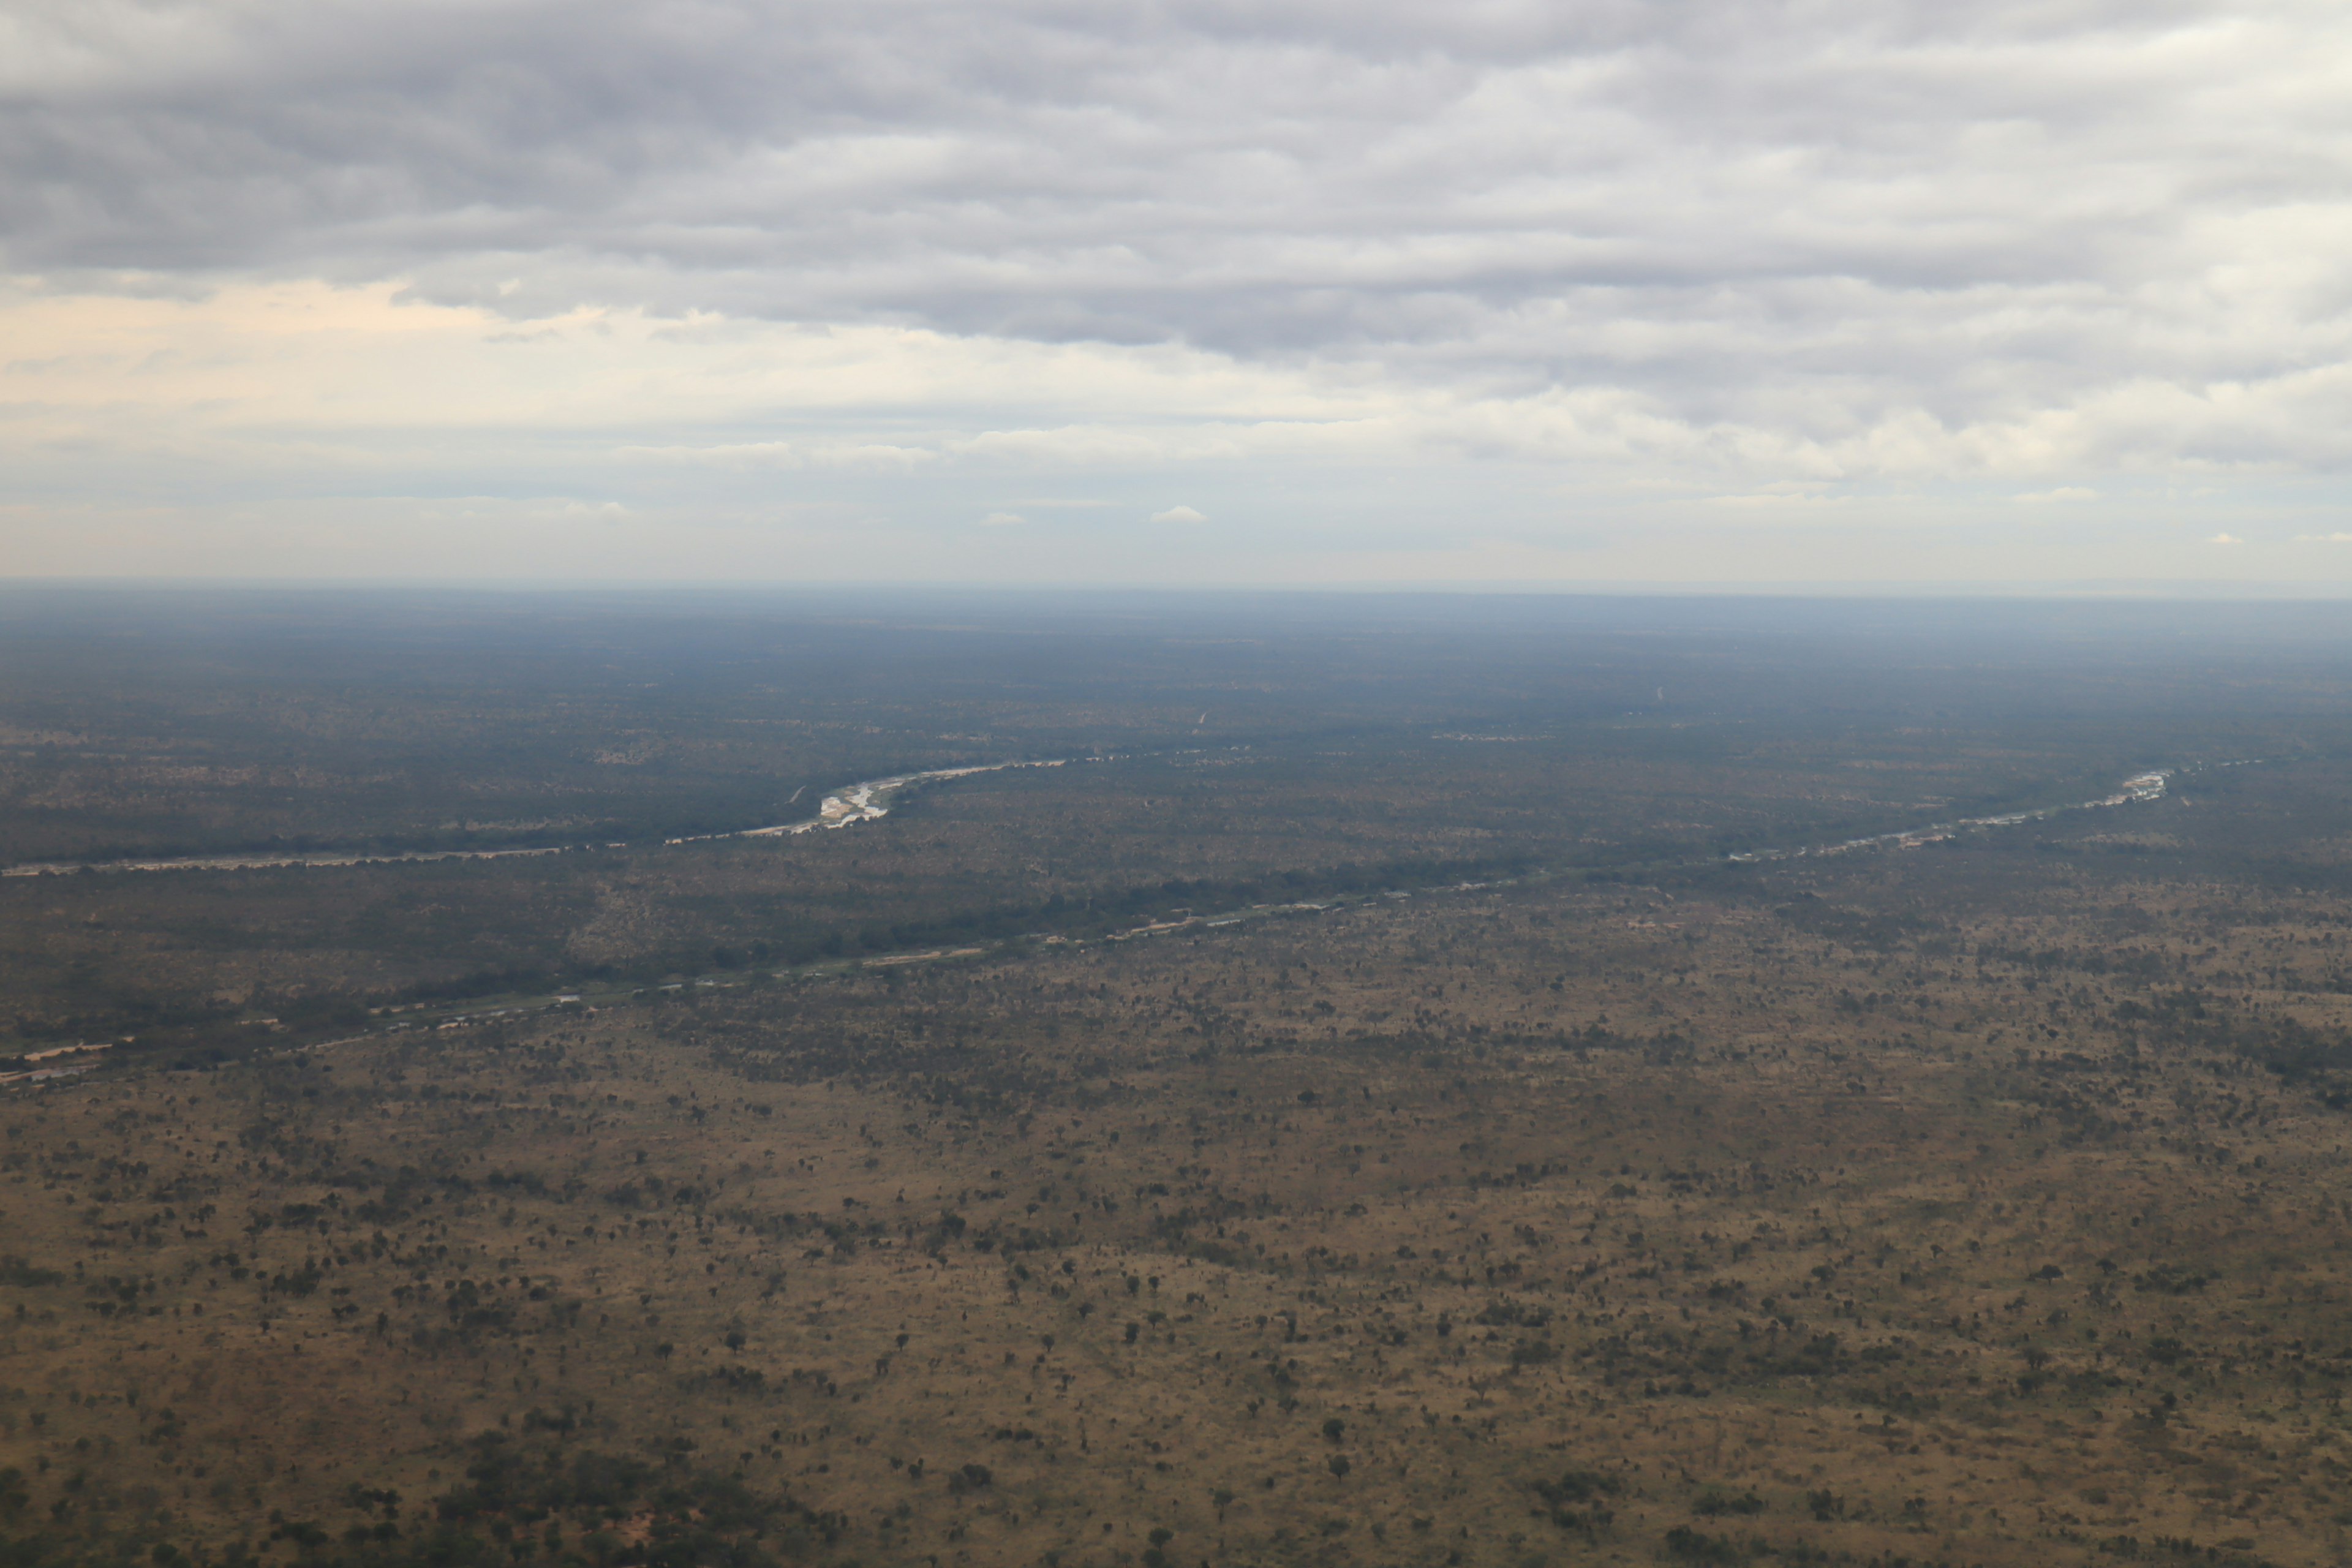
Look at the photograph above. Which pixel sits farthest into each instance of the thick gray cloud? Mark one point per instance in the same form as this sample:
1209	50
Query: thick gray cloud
2051	239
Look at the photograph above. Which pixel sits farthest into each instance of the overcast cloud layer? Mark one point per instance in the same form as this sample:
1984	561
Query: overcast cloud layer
1359	292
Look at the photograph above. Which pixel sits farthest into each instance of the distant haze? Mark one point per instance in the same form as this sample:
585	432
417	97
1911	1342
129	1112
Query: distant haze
1292	292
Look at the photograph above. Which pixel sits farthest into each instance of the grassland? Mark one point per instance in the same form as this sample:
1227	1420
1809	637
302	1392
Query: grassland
1777	1218
971	1187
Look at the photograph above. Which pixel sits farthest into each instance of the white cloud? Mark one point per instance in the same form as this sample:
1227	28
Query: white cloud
2225	538
2324	538
769	253
1002	519
1178	514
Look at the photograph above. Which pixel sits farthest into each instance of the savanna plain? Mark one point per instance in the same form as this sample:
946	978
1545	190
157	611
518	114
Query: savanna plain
1408	1081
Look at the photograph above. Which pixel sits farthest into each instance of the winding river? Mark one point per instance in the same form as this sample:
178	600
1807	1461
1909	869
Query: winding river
864	801
871	799
2149	785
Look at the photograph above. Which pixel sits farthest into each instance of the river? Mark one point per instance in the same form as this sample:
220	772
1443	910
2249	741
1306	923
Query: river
865	801
869	800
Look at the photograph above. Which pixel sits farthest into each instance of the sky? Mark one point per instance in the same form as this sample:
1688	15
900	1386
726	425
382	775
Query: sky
1732	293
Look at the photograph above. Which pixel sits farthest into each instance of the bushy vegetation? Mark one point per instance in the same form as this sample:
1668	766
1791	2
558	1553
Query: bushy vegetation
1220	1154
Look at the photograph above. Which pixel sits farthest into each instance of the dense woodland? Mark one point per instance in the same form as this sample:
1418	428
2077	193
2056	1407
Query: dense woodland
1382	1129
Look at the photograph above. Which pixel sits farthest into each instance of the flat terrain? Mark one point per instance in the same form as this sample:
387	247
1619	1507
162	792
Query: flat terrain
1980	1203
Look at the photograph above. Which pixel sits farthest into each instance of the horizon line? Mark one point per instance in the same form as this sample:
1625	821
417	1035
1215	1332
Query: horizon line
2149	590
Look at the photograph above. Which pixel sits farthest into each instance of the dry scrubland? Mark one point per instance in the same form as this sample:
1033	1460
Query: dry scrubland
1977	1206
1853	1214
1087	848
1267	749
